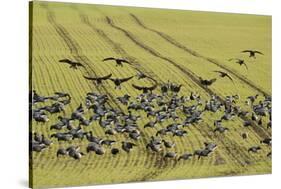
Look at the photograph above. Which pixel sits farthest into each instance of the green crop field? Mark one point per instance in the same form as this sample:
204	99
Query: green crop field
168	45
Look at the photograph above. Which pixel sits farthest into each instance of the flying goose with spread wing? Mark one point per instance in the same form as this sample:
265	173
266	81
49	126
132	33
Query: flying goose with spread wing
73	65
252	53
119	61
98	80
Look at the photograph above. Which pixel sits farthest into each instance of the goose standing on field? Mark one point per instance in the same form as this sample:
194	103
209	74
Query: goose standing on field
185	156
202	153
266	141
73	65
254	149
46	141
170	155
119	61
220	129
114	151
252	53
127	146
38	147
61	152
150	124
244	135
168	144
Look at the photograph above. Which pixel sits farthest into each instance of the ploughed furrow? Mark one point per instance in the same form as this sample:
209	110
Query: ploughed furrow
260	131
198	55
74	48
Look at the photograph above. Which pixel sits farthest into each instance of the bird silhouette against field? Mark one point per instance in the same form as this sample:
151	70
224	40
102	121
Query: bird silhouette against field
73	65
239	61
224	74
98	80
252	53
118	81
119	61
145	89
141	75
206	82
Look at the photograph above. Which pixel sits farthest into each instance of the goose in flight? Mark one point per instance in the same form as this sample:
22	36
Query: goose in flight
206	82
119	62
117	81
141	75
224	74
252	53
145	89
72	64
98	80
239	61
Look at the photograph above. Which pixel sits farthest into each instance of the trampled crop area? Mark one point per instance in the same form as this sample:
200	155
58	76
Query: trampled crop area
180	50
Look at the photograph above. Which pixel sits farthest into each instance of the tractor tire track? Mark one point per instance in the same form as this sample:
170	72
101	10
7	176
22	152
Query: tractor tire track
172	41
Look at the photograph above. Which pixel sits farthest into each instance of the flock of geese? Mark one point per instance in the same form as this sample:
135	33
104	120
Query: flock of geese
169	114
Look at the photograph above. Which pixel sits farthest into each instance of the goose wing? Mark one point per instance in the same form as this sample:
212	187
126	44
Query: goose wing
77	64
246	51
109	58
245	65
124	61
212	80
126	79
223	73
90	78
152	87
65	61
258	52
106	77
137	87
229	77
